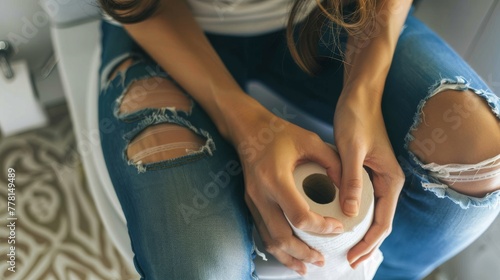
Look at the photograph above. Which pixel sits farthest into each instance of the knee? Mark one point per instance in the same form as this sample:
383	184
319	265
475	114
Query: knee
161	141
458	127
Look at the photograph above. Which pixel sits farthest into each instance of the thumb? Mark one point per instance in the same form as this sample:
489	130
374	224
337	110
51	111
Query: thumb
326	155
351	184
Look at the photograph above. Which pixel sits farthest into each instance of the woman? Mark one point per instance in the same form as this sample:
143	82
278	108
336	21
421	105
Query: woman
189	153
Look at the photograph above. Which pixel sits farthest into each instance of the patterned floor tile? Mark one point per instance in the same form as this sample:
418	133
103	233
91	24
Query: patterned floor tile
58	233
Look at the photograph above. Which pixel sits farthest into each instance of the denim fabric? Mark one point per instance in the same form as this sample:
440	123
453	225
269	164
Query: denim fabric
186	216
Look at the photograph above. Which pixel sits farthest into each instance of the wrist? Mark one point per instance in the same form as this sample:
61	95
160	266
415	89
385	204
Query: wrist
238	113
365	96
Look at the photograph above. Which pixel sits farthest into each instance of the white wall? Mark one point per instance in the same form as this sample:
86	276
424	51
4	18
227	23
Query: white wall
472	28
26	26
485	54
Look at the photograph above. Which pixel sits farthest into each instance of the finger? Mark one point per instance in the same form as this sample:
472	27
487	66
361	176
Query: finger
351	184
385	208
290	262
326	156
377	232
286	259
298	211
282	237
366	257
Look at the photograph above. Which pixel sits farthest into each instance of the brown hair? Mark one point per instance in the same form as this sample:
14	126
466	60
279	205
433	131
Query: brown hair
328	13
129	11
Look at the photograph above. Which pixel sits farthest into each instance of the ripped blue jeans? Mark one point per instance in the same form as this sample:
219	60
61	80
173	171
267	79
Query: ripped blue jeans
186	216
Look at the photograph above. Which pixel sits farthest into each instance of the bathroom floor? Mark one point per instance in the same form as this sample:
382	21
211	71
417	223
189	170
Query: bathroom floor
58	231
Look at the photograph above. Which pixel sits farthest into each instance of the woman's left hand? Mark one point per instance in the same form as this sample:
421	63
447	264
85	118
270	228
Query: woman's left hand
362	140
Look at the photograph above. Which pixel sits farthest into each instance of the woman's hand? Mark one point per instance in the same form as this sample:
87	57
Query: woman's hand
270	148
362	140
360	133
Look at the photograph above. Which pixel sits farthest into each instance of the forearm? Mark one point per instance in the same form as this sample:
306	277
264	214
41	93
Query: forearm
369	56
176	42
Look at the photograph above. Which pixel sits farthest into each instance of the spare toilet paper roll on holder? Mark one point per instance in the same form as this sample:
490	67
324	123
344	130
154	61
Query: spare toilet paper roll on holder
19	108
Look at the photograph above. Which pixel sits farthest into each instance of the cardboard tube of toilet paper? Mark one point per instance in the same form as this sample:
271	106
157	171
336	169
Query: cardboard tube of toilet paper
323	198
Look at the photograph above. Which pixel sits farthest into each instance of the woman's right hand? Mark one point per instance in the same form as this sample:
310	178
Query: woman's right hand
270	148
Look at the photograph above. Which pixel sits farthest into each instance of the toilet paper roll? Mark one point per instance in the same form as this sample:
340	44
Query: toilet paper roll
19	108
323	198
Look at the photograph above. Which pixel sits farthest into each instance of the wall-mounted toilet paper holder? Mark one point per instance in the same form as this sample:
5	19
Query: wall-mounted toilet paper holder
5	53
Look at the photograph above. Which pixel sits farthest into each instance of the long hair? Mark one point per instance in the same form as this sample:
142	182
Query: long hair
328	13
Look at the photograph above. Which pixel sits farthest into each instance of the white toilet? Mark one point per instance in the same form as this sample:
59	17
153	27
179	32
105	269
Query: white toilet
76	37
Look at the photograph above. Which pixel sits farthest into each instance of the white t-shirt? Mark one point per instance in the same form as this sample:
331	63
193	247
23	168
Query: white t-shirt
243	17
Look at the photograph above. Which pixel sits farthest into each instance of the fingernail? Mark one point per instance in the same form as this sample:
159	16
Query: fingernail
319	263
351	207
338	230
